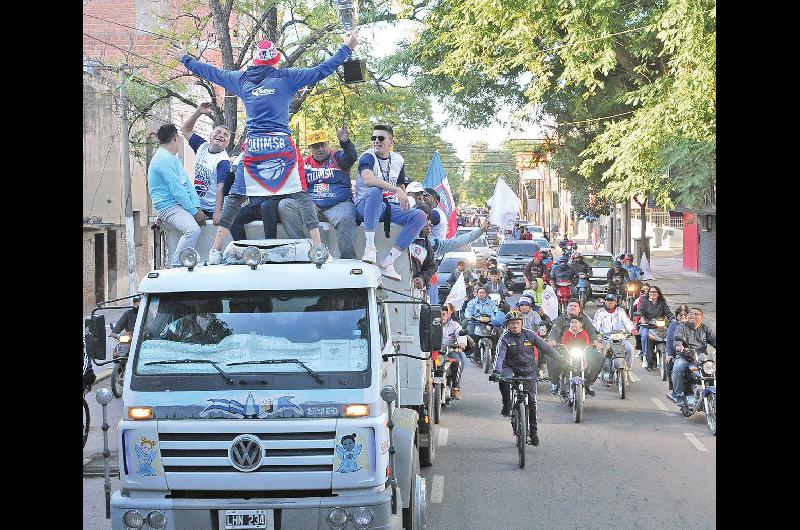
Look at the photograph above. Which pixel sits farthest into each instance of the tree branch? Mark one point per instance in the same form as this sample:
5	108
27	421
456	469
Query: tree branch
308	42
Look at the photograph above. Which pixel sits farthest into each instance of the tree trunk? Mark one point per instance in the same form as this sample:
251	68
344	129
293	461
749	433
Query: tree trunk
644	247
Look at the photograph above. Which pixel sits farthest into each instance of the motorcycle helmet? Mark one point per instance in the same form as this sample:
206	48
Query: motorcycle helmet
617	264
512	315
524	300
562	260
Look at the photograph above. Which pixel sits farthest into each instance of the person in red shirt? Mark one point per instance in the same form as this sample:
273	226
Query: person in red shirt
526	235
575	335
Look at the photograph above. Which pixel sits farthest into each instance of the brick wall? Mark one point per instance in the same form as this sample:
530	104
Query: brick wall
707	261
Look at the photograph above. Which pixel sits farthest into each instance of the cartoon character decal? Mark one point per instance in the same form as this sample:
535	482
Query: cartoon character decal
278	406
348	453
146	453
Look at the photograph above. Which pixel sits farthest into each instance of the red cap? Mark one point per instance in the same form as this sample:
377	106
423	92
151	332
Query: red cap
266	53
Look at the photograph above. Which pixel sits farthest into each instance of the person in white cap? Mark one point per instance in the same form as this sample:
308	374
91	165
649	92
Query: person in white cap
272	165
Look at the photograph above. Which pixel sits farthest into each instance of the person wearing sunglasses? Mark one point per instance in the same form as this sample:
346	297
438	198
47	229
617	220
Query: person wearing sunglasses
328	177
271	165
380	191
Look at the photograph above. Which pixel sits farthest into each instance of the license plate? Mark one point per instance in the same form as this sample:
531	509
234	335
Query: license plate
245	519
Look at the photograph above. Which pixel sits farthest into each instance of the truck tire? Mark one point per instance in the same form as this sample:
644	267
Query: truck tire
428	454
408	513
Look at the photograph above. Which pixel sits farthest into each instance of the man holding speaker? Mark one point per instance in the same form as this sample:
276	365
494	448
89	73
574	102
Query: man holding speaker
271	165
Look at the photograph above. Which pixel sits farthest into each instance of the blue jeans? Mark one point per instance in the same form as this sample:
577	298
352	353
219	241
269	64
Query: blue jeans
371	209
643	333
433	295
462	361
259	208
680	372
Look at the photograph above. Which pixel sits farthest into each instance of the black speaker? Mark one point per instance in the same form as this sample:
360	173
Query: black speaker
355	71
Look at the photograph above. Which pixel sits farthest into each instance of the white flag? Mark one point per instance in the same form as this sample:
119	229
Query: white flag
644	264
550	303
458	293
505	206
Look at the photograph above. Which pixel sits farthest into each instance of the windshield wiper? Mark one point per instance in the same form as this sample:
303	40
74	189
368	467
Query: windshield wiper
311	372
194	361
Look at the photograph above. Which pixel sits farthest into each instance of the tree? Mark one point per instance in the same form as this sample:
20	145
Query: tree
634	81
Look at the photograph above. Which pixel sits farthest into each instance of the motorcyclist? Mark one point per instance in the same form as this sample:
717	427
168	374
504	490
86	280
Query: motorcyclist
617	273
128	319
531	318
654	306
593	356
562	272
547	258
692	334
579	264
634	272
450	336
566	241
535	269
681	316
480	305
515	357
612	318
495	284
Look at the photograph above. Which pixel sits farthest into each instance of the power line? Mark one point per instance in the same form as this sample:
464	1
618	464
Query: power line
131	27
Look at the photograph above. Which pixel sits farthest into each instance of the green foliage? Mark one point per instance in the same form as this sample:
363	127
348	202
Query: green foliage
631	84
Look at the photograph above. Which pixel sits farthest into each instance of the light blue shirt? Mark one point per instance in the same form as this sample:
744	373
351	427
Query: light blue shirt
169	184
477	307
634	272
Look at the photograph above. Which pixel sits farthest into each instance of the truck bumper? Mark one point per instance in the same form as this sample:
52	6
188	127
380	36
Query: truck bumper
289	513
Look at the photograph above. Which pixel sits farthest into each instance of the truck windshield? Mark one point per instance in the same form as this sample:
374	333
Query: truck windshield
325	331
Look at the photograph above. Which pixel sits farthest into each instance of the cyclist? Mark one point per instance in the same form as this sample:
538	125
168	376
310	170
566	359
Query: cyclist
515	357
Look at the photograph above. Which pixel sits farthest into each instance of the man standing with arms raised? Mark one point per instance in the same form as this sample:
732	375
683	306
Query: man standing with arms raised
380	191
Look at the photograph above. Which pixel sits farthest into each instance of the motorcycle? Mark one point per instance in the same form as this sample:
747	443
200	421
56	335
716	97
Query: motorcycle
484	354
583	288
572	383
615	367
657	334
564	293
444	370
567	248
120	354
701	390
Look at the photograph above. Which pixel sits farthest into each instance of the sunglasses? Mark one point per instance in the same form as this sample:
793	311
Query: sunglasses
379	138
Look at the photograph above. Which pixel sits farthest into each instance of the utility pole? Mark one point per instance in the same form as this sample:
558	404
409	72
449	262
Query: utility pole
126	179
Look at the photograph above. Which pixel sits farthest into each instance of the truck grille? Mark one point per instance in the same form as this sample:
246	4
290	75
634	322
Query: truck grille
283	452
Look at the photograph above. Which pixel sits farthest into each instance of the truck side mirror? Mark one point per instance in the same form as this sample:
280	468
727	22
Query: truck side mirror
96	337
430	327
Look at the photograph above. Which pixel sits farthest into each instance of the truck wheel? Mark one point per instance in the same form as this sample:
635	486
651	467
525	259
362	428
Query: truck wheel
408	513
437	402
118	379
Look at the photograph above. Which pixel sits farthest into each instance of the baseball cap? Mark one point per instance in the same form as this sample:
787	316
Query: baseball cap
316	137
415	187
433	193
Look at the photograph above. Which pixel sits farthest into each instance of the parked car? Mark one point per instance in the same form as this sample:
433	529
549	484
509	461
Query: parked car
515	255
543	243
494	236
600	262
535	230
448	265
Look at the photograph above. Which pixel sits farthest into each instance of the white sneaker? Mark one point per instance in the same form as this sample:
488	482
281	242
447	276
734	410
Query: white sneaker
644	363
390	273
214	257
370	254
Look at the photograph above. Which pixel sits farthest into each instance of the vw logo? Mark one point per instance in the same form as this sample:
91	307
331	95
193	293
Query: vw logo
245	452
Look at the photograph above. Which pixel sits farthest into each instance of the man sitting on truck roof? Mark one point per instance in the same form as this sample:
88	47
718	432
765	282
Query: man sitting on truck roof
328	177
380	191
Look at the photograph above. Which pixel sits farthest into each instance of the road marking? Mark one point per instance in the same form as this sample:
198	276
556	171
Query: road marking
437	490
443	435
660	405
692	438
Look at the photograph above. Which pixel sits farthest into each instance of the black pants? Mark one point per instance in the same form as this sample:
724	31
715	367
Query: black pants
264	209
529	385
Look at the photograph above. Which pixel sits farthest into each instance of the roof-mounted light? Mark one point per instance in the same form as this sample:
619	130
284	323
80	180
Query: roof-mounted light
189	258
252	257
318	254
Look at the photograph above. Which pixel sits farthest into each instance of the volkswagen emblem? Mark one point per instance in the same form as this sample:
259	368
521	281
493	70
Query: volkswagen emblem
245	452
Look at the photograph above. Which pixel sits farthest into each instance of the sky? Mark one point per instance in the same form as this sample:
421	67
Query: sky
386	36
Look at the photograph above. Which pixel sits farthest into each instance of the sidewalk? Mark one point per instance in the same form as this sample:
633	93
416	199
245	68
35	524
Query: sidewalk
680	286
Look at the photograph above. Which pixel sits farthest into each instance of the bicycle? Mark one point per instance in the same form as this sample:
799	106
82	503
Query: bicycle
519	411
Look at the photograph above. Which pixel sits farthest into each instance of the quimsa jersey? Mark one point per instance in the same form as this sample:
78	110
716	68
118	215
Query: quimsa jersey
391	170
328	183
207	171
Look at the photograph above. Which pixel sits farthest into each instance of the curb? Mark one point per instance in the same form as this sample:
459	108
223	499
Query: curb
105	374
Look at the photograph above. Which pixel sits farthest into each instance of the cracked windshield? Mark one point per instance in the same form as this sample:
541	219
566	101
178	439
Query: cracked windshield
326	330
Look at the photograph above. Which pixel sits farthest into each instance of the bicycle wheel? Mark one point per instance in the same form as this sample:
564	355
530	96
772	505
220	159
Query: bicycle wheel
522	431
85	422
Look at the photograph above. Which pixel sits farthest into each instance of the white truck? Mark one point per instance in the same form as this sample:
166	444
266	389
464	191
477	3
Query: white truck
283	394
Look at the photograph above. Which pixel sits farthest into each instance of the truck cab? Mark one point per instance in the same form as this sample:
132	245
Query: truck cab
289	391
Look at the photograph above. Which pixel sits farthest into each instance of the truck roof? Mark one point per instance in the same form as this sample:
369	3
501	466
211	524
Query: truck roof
338	274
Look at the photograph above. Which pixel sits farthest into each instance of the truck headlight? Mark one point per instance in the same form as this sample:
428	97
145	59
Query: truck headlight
318	254
362	518
156	519
133	519
251	256
356	411
189	258
709	368
337	518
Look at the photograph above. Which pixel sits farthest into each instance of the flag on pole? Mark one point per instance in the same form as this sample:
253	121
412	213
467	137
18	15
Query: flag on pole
436	178
504	206
458	293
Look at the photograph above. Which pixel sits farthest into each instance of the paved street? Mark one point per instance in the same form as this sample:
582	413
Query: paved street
633	463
